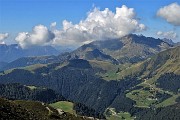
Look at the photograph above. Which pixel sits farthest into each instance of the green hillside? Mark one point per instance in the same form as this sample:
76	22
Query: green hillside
164	62
155	80
27	110
64	105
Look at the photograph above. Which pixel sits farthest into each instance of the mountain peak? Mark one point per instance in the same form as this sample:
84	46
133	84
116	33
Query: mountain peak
169	41
130	48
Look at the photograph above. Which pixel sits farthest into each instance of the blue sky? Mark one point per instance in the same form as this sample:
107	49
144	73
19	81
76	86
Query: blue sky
22	15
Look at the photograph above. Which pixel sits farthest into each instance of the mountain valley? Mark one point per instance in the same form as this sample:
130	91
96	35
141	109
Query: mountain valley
97	77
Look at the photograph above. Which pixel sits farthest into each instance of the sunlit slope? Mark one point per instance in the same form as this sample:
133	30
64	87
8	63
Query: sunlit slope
164	62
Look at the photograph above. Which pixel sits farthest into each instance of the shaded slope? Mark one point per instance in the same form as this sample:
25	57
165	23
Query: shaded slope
166	113
16	91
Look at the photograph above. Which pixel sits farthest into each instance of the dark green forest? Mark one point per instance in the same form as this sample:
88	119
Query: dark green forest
170	82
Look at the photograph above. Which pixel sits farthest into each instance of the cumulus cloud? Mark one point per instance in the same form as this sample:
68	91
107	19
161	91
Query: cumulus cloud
170	13
40	35
3	36
99	25
169	34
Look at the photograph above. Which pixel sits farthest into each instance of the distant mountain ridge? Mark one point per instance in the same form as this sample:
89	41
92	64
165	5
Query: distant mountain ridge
169	41
12	52
128	49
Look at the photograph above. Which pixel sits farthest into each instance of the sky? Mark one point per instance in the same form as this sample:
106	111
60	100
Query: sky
77	22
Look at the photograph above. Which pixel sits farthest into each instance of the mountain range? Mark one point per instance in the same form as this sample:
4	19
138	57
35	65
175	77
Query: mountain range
128	49
131	48
12	52
133	77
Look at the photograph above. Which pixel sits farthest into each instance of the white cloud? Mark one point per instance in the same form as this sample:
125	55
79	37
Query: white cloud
99	25
53	25
3	36
40	35
169	34
170	13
